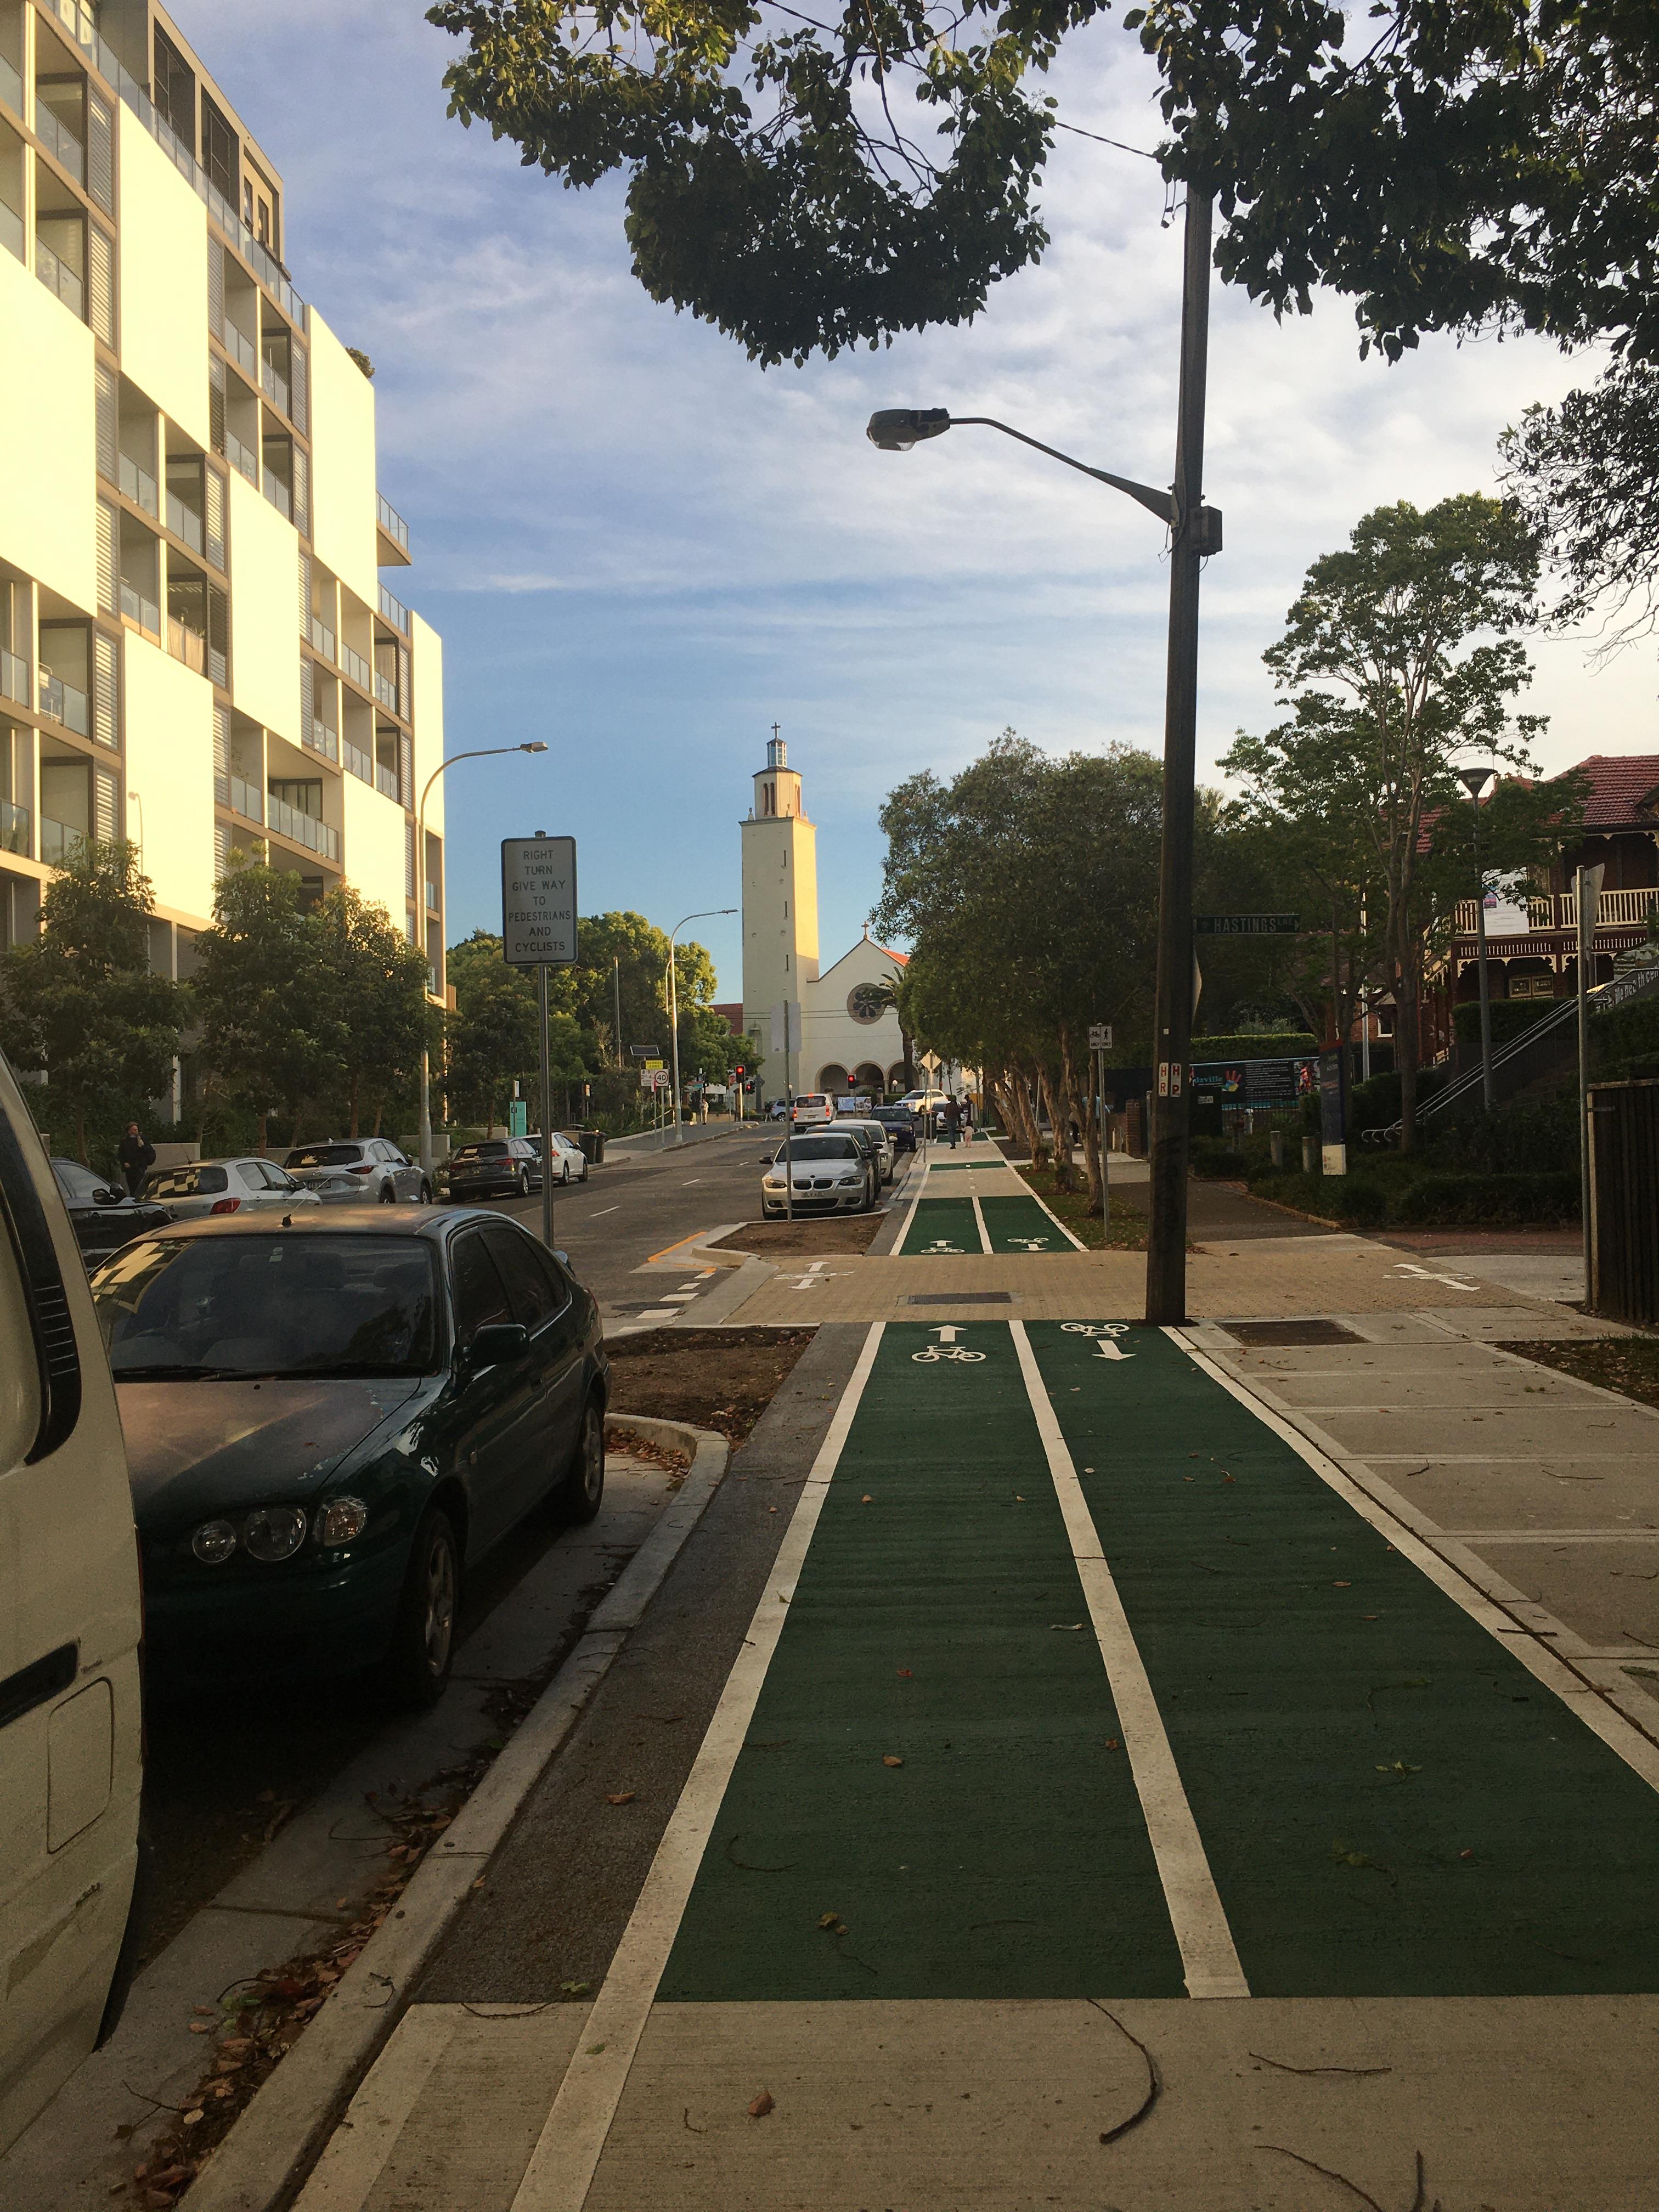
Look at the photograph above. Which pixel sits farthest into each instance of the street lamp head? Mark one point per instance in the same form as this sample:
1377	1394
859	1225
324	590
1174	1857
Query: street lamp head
536	745
896	429
1476	780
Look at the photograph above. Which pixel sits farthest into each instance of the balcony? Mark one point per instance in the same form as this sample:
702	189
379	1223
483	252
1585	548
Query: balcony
57	276
246	799
11	88
62	703
184	522
357	761
431	895
14	828
385	782
136	608
394	534
187	645
274	384
321	739
241	456
12	234
60	141
1559	910
322	637
394	612
58	842
138	485
277	493
304	829
241	348
78	20
386	691
14	678
355	666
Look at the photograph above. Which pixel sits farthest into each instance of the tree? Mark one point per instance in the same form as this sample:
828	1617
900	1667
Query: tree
810	184
493	1039
81	1002
274	1032
377	982
1387	686
1587	475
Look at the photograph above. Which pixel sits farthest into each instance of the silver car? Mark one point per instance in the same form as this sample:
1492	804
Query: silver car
879	1137
234	1185
359	1171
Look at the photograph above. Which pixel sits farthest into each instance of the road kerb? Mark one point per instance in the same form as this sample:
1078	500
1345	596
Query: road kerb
273	2145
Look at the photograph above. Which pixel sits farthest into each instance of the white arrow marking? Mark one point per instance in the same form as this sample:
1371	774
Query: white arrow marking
1429	1276
1105	1349
947	1333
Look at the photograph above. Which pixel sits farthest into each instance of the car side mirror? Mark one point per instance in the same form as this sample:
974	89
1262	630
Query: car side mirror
495	1345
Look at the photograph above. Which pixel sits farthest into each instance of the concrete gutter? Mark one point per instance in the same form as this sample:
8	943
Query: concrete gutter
267	2154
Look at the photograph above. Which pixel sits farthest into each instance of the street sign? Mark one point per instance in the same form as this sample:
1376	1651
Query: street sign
1100	1036
538	901
786	1025
1247	925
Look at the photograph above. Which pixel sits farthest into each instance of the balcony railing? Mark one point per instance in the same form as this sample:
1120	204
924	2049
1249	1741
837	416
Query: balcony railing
138	609
391	522
385	782
78	20
58	842
138	484
58	139
11	88
62	703
431	895
14	678
394	610
355	666
241	348
184	522
1559	910
278	494
275	386
14	828
241	456
248	800
321	739
11	231
386	691
322	637
304	829
186	644
357	761
57	276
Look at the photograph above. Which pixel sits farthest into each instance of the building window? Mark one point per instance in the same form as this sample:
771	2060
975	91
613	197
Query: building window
222	150
176	91
13	198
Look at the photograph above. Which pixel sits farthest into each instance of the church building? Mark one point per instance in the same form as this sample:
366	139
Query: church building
849	1039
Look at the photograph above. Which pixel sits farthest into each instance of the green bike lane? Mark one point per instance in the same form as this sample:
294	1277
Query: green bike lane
1010	1222
941	1795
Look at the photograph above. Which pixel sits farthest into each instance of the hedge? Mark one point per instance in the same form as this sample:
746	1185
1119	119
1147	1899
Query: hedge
1282	1044
1509	1016
1442	1199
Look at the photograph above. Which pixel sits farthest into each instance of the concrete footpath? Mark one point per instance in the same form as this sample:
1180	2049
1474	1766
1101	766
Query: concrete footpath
1079	1764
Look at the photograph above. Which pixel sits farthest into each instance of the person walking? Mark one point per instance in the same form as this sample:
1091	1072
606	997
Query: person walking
953	1122
136	1154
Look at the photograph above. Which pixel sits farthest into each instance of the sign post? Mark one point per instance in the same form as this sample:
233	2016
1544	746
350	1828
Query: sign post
786	1015
1589	888
538	931
1100	1043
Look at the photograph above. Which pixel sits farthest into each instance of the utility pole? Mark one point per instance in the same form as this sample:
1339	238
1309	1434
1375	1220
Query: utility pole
1589	888
1474	781
1166	1243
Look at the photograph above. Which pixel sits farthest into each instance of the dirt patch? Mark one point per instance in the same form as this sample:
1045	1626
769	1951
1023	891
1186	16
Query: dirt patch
1629	1364
1128	1228
715	1378
835	1233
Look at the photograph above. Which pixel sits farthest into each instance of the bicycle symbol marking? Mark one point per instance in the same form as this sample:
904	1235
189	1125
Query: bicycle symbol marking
945	1352
1095	1328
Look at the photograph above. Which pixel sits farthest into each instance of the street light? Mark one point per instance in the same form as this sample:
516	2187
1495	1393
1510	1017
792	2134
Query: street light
483	752
1195	531
703	915
1477	781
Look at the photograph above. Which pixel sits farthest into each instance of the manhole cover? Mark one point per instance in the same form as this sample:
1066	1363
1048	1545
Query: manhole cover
1292	1332
963	1298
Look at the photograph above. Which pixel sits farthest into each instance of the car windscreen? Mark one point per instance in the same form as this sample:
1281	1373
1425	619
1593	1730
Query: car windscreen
496	1150
268	1305
190	1181
324	1156
823	1148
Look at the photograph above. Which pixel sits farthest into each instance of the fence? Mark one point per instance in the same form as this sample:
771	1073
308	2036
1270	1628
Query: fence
1625	1200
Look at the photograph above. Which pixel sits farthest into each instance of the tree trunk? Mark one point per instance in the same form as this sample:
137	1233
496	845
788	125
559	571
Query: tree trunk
352	1131
1085	1107
380	1115
259	1141
1406	1050
908	1043
1023	1123
1065	1173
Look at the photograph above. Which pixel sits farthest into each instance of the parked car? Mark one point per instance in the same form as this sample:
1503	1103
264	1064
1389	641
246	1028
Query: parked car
829	1171
494	1165
102	1214
570	1162
238	1186
71	1732
900	1124
349	1170
812	1106
880	1143
330	1421
925	1102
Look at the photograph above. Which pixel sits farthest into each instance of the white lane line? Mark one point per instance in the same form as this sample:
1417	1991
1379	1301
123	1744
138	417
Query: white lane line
979	1223
920	1182
1208	1957
599	1210
567	2153
1076	1243
656	1313
357	2151
689	1180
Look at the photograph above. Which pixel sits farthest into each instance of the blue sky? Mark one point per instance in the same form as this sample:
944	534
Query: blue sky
644	550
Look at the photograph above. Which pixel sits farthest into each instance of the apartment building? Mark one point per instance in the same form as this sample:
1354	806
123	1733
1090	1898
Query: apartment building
196	651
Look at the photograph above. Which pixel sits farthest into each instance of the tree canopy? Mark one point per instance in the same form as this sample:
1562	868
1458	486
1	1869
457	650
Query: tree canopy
808	182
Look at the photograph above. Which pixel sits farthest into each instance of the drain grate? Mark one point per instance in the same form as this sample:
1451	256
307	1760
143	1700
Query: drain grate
1292	1332
962	1299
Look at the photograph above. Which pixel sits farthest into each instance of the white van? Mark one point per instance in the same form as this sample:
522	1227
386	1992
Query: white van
72	1755
812	1106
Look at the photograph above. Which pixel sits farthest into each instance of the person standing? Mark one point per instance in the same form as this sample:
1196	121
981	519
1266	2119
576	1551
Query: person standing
137	1154
953	1122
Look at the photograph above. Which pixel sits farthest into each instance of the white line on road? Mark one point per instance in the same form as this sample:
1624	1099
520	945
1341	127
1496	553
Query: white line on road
689	1180
359	2147
979	1223
599	1210
1208	1957
561	2167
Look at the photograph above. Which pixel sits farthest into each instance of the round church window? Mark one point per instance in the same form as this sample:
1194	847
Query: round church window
868	1002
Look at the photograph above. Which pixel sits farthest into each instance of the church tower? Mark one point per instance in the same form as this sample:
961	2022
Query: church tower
780	909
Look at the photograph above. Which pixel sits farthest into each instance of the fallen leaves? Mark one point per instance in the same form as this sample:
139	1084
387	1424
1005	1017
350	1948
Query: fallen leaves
891	1758
622	1797
761	2106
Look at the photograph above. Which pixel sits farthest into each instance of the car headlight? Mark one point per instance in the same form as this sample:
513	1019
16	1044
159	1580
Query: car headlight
214	1542
275	1532
340	1520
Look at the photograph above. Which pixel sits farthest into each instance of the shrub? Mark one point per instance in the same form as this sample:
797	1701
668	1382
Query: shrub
1509	1016
1277	1044
1446	1201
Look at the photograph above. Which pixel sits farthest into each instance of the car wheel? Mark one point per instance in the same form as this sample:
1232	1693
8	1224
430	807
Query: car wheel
564	1179
415	1669
582	1177
580	1493
426	1193
524	1183
388	1194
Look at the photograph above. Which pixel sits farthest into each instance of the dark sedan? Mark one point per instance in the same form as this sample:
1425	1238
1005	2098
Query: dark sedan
900	1124
329	1420
493	1166
103	1216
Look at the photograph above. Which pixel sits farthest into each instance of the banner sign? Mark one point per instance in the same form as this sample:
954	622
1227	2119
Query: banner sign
1254	1082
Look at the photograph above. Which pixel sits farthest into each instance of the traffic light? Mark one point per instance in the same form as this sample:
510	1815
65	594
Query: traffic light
738	1071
